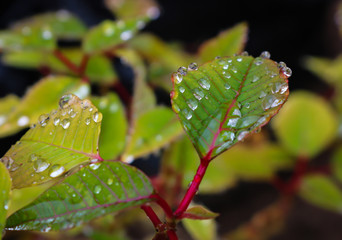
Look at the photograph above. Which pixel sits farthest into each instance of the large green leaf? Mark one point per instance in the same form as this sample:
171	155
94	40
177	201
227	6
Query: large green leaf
221	102
133	8
306	125
93	191
109	34
63	24
5	186
227	43
41	98
201	229
114	125
58	142
7	104
322	192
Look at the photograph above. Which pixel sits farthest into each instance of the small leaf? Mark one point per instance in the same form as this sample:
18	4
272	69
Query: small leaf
321	191
109	34
133	8
93	191
226	43
5	186
63	24
113	127
306	125
199	213
41	98
225	100
58	142
201	229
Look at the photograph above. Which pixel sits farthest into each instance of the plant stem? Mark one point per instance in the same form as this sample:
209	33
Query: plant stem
152	216
164	205
83	64
192	189
58	54
172	234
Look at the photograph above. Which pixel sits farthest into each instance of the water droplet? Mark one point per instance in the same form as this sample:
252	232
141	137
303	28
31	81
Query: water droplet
227	136
33	157
227	86
192	103
187	114
73	114
283	88
262	94
193	66
2	119
14	167
23	121
95	166
43	119
255	79
87	121
244	53
198	93
182	71
56	121
177	78
236	112
64	101
234	70
271	101
175	107
242	135
40	165
110	181
181	89
247	121
232	122
204	83
97	117
97	189
281	65
247	105
265	54
7	161
126	35
287	72
217	57
65	123
90	109
46	34
239	59
56	171
225	67
258	61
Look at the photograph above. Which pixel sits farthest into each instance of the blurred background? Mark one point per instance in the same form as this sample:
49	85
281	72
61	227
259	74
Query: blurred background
288	29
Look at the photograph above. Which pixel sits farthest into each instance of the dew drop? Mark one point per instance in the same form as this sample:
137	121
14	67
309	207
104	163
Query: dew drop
7	161
95	166
234	70
182	71
232	122
271	101
33	157
126	35
236	112
258	61
247	105
225	67
181	89
204	83
242	135
64	101
283	88
97	117
40	165
65	123
23	121
110	181
56	121
192	103
97	189
255	79
56	171
14	167
281	65
198	93
193	66
262	94
177	78
43	119
46	34
244	53
187	114
265	54
227	86
239	59
287	72
87	121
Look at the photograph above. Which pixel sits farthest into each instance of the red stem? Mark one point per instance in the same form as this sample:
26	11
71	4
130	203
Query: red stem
192	189
152	216
172	234
83	64
163	204
66	61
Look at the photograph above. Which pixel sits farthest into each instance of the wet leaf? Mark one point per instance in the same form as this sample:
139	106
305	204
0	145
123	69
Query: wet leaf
227	43
41	98
199	212
63	24
133	8
223	101
306	125
5	186
201	229
321	191
109	34
113	127
59	141
93	191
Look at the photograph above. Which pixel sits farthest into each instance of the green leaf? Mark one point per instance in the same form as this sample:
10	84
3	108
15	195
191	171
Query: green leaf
306	125
114	125
58	142
5	186
41	98
336	164
93	191
133	8
321	191
201	229
63	24
226	43
7	104
109	34
153	130
223	101
199	212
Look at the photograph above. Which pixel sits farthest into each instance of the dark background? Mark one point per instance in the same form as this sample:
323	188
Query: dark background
288	29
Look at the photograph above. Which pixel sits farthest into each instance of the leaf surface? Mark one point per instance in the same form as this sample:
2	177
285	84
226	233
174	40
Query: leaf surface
201	229
306	125
199	212
58	142
113	127
227	43
93	191
41	98
133	8
221	102
5	186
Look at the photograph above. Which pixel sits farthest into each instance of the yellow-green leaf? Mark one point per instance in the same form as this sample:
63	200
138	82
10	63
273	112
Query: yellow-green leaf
201	229
5	186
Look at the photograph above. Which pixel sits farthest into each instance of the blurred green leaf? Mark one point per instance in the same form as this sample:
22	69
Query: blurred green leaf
93	191
5	186
306	125
336	164
201	229
199	213
58	142
63	24
321	191
223	101
114	125
41	98
7	104
227	43
109	34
